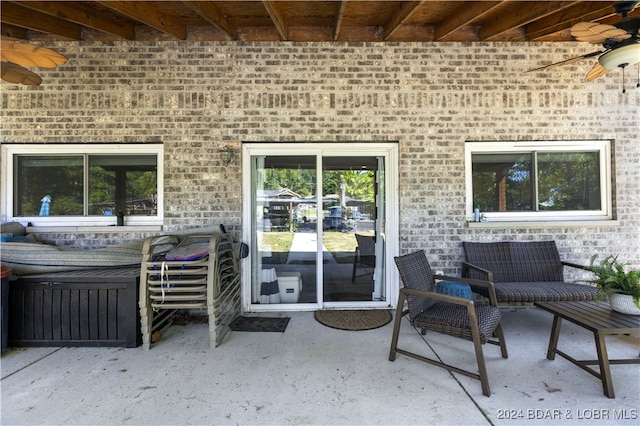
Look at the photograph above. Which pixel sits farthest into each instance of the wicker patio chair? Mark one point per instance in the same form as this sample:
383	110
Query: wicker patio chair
442	313
364	255
523	272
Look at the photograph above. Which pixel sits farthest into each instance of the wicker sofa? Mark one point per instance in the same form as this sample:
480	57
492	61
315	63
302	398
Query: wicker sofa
523	271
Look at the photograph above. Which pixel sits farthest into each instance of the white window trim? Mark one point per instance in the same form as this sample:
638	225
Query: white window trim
7	182
502	147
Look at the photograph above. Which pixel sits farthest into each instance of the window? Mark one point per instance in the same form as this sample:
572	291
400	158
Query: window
553	180
57	185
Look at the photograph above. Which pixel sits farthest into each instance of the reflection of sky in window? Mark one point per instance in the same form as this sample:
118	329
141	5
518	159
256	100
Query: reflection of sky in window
520	171
518	175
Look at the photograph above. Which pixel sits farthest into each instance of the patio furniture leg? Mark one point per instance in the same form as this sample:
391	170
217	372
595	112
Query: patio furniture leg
355	265
396	327
482	368
603	362
553	340
503	346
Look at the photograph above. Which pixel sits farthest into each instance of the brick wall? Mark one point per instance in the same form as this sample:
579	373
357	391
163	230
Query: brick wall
197	97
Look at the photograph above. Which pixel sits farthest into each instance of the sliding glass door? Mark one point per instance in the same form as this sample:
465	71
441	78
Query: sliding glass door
352	235
317	222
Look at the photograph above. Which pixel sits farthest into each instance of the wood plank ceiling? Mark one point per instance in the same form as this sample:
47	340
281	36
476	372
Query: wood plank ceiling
299	21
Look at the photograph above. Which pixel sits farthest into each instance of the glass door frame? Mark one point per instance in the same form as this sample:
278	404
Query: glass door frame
388	150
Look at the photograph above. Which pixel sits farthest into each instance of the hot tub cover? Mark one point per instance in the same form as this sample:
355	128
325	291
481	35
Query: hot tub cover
36	258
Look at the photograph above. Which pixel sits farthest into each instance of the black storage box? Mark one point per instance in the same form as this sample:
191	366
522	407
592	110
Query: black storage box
97	307
4	318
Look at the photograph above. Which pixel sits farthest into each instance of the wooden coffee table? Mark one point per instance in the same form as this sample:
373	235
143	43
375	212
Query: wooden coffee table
599	319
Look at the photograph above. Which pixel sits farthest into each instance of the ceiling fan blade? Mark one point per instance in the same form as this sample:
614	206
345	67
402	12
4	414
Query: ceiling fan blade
30	55
16	74
593	32
597	71
566	61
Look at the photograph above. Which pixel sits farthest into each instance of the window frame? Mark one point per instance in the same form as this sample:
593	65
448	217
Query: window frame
603	147
9	151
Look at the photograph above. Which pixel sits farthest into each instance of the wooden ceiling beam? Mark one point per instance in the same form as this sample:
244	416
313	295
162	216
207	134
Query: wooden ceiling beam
148	13
516	20
12	31
276	17
82	14
339	16
525	13
212	14
613	18
467	14
22	17
406	10
582	12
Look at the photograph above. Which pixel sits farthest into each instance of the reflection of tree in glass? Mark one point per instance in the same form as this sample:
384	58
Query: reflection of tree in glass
358	184
502	183
300	181
564	180
140	189
63	178
102	184
568	181
59	177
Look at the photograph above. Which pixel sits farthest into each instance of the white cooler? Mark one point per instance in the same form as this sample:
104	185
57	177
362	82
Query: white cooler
290	286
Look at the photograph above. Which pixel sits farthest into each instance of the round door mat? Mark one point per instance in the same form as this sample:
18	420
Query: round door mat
354	319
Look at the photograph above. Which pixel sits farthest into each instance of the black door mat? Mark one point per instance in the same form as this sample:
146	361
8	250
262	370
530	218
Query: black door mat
277	325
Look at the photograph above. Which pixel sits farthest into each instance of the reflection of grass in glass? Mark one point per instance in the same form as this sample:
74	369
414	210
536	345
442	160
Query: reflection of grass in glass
280	243
340	245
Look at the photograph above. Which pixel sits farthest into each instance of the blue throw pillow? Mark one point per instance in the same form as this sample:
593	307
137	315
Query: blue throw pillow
452	288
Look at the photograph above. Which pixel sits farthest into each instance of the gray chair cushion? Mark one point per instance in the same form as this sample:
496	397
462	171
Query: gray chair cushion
543	291
453	320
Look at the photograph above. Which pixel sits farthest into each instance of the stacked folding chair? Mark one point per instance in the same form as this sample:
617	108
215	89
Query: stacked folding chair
199	273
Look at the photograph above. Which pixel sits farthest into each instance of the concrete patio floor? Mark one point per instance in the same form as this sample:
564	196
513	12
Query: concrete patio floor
311	374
